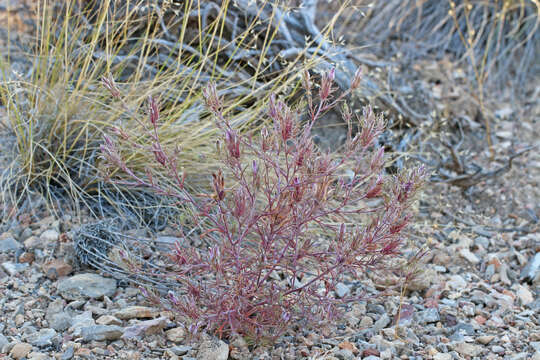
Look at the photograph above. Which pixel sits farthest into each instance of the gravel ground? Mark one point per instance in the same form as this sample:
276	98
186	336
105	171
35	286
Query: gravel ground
476	299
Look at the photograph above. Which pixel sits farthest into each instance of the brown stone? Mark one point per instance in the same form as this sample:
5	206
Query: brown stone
347	345
370	352
108	320
33	242
136	312
83	352
176	334
20	350
480	319
56	268
26	257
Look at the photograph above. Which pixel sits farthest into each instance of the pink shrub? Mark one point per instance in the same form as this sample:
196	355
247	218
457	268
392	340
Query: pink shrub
283	219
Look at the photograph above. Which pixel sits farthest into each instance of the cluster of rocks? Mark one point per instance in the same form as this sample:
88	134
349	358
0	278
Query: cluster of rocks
475	299
49	312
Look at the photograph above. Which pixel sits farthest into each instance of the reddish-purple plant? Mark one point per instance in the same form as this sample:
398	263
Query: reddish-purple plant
284	220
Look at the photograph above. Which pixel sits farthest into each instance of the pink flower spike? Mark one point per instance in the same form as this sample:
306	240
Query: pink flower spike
332	74
153	110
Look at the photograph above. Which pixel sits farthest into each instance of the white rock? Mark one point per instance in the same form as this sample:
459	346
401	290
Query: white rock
441	356
342	290
49	235
524	295
469	256
213	350
456	282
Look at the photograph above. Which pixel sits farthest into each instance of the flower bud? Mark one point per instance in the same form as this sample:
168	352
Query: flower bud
110	85
233	144
326	84
355	83
219	185
377	160
159	155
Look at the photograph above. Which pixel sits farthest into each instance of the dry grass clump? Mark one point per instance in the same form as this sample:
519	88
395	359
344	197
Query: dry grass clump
56	111
498	40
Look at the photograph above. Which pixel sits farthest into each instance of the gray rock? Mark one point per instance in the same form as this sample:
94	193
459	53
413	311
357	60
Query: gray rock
534	344
532	269
25	234
86	286
381	323
213	350
376	308
366	322
469	256
180	350
55	307
13	268
442	356
482	241
342	290
145	328
535	305
42	338
68	354
57	318
344	354
101	332
464	328
166	243
371	357
497	349
427	316
457	282
412	337
3	342
75	305
60	321
82	320
490	271
520	356
9	244
466	349
457	337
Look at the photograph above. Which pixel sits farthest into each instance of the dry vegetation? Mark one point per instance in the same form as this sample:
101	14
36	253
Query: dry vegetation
455	80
